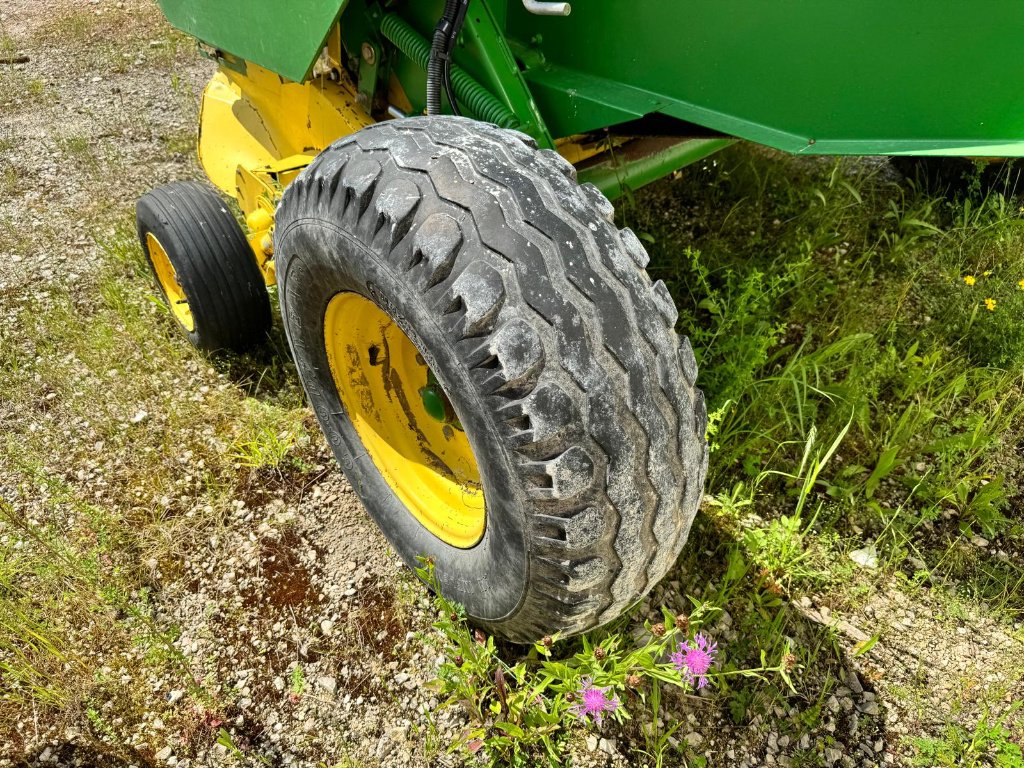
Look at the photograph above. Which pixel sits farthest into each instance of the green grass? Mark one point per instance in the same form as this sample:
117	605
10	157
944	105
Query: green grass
833	304
989	743
861	393
112	39
269	437
96	370
860	390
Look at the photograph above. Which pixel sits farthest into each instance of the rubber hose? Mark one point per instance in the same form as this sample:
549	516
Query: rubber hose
438	53
453	33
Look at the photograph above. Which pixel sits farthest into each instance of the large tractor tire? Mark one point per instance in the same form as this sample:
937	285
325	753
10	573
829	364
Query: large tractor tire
493	369
203	266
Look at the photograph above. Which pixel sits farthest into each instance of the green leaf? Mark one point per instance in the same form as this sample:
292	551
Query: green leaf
883	467
865	645
511	729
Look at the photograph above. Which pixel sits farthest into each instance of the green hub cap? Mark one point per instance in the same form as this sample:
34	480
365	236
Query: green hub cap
436	403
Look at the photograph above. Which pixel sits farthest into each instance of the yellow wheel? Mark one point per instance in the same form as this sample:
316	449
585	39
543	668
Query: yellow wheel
203	266
404	419
495	373
167	279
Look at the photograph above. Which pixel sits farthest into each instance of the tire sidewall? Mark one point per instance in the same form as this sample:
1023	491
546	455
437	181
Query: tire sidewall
317	260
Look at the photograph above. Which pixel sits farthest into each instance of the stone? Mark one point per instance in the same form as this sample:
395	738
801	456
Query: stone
867	557
853	681
869	708
328	683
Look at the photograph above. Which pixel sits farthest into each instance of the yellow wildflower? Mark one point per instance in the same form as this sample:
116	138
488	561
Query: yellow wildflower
1021	284
990	305
970	279
987	273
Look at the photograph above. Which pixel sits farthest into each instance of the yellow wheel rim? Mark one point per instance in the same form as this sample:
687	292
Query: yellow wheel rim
169	284
386	387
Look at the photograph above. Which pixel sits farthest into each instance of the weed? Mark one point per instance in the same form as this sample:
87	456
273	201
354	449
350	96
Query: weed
179	142
269	438
9	181
225	740
990	743
8	46
169	48
522	712
80	150
36	88
87	373
74	25
865	324
298	681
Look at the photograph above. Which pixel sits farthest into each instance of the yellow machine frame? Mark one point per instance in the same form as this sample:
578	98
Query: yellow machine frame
257	131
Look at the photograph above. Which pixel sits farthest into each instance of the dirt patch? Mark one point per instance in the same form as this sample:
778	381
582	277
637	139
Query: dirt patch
289	583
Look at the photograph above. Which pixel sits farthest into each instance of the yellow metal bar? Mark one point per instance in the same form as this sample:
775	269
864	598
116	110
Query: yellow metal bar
257	131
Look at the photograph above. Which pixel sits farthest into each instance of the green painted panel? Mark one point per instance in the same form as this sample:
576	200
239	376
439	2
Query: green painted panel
813	76
284	37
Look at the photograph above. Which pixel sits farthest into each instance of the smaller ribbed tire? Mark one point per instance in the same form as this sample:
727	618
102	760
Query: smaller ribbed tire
203	266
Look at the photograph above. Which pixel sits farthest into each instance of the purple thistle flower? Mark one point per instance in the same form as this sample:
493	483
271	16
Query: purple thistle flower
593	701
694	661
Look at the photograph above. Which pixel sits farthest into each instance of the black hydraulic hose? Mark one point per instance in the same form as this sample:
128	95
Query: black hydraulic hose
439	53
460	19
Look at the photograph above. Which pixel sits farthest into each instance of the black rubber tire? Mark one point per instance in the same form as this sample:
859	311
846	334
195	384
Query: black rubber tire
558	353
212	261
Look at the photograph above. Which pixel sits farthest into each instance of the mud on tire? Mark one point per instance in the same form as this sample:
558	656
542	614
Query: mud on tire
557	352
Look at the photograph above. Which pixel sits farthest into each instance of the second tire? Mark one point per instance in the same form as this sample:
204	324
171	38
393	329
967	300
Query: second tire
203	266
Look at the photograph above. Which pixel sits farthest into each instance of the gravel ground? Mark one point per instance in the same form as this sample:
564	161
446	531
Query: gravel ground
80	105
296	612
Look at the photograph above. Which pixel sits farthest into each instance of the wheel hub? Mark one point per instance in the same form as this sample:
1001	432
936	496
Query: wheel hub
436	402
404	419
